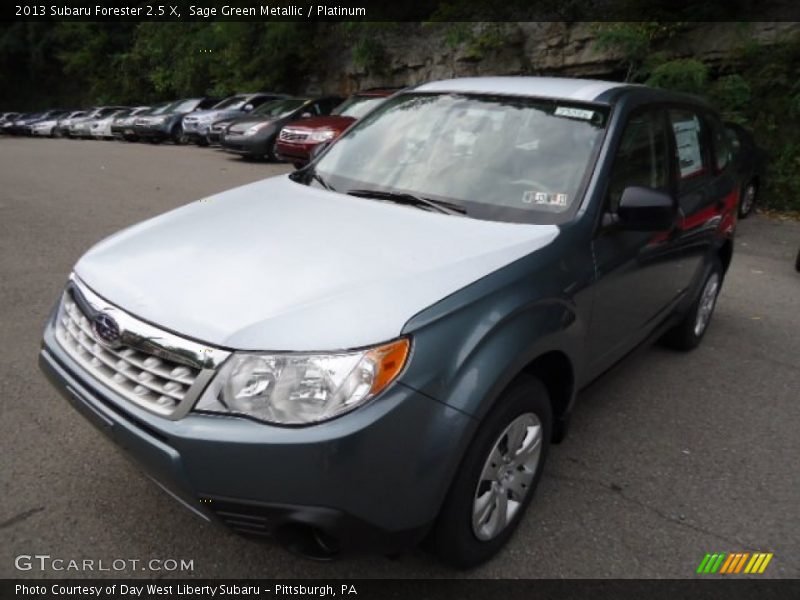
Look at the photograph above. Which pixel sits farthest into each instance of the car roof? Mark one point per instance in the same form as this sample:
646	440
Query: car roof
563	88
585	90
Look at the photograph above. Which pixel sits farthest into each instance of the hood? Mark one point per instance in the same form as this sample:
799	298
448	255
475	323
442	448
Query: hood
243	124
335	122
276	265
214	115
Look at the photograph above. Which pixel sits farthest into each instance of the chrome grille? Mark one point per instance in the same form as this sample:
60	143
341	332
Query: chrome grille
141	368
292	135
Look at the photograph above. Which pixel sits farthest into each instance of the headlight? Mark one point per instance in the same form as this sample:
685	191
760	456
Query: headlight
322	136
256	128
300	389
159	120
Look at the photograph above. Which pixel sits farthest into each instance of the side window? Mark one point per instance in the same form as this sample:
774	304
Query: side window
690	146
734	142
331	103
720	144
643	156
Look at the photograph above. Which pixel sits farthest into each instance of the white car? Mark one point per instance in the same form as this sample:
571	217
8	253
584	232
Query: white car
101	128
82	128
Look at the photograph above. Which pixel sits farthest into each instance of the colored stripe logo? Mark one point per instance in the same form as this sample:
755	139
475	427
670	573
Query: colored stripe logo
733	563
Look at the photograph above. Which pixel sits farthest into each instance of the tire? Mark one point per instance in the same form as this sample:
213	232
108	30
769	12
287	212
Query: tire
748	200
176	135
688	334
270	155
797	262
463	537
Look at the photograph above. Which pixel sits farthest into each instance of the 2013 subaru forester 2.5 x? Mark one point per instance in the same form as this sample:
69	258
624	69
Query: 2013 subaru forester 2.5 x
380	348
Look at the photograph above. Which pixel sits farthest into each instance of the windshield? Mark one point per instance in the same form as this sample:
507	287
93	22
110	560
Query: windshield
499	158
157	110
181	106
232	102
357	106
279	108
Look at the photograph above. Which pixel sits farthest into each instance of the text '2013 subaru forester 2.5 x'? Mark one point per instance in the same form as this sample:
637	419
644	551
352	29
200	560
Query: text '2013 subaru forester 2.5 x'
379	349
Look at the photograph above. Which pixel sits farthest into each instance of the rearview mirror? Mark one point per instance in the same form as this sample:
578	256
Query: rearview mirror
646	209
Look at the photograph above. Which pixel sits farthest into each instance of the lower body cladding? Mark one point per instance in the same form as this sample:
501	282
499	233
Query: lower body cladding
373	480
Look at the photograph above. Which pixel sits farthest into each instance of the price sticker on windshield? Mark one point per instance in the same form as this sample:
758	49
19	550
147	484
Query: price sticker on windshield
575	113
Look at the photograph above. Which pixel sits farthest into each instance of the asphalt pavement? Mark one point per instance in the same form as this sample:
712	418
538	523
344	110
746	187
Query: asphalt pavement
670	456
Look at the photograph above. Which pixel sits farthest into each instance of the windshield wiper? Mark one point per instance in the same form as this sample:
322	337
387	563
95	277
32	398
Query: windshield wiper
412	200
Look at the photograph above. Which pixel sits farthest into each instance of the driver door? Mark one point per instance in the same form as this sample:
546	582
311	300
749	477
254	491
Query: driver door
633	269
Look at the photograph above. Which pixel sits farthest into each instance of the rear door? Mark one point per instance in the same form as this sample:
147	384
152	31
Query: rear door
704	187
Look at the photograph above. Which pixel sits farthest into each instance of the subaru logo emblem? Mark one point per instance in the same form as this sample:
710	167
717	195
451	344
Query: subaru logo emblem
106	329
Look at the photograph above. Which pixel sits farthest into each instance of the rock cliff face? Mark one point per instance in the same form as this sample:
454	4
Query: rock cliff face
412	53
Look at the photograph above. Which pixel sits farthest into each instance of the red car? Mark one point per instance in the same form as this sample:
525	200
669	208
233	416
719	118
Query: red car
297	140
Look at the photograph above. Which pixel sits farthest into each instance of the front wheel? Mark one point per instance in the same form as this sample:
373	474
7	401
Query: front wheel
497	478
177	136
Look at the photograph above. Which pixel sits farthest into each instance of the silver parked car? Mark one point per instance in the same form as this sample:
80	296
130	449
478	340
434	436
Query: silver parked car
82	127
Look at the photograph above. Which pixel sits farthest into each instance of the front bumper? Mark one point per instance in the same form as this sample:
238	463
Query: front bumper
195	131
159	132
294	152
244	144
374	479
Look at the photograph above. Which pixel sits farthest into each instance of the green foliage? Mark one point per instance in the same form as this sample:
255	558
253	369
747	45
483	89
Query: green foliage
634	42
683	74
477	39
367	49
75	63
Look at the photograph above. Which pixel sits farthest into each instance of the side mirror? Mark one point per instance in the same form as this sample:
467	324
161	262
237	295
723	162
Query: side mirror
646	209
247	107
306	115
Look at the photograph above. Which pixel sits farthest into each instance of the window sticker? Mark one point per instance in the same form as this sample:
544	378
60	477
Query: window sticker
544	199
687	140
575	113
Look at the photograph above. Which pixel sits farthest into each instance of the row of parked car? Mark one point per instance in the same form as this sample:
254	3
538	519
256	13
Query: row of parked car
255	125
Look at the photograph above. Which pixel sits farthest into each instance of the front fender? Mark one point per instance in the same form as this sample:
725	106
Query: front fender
467	349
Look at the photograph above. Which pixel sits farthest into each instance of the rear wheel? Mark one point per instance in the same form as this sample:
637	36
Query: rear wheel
687	334
748	201
497	478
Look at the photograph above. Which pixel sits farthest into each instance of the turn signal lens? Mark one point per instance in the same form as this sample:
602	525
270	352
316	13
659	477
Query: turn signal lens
389	360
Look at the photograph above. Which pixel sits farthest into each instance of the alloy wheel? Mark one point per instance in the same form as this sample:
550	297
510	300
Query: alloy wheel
706	306
507	475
